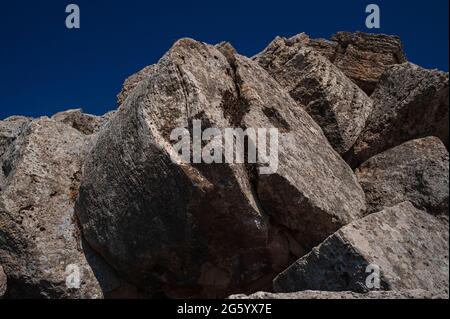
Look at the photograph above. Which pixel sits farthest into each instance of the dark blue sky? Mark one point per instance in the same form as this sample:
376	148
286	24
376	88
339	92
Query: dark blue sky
46	68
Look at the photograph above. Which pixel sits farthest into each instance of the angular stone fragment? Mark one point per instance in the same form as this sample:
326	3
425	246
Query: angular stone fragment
281	50
409	247
85	123
416	171
363	57
40	244
338	105
3	282
208	230
379	295
409	103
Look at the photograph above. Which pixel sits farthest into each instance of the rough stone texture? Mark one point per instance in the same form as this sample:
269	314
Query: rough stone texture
298	195
188	230
38	233
308	294
409	246
283	49
409	103
338	105
9	130
3	282
416	171
363	57
131	83
85	123
160	227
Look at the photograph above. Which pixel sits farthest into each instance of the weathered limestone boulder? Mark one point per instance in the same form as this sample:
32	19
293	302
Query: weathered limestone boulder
3	282
363	57
308	294
409	247
40	243
206	230
416	171
338	105
409	103
85	123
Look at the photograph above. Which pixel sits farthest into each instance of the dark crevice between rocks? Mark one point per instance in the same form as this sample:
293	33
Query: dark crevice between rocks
265	283
334	57
350	158
356	158
306	222
276	119
324	115
6	168
235	107
274	229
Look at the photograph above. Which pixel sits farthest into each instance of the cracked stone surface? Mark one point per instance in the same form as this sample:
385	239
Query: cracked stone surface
360	178
338	105
409	247
186	230
39	238
416	171
364	57
410	102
